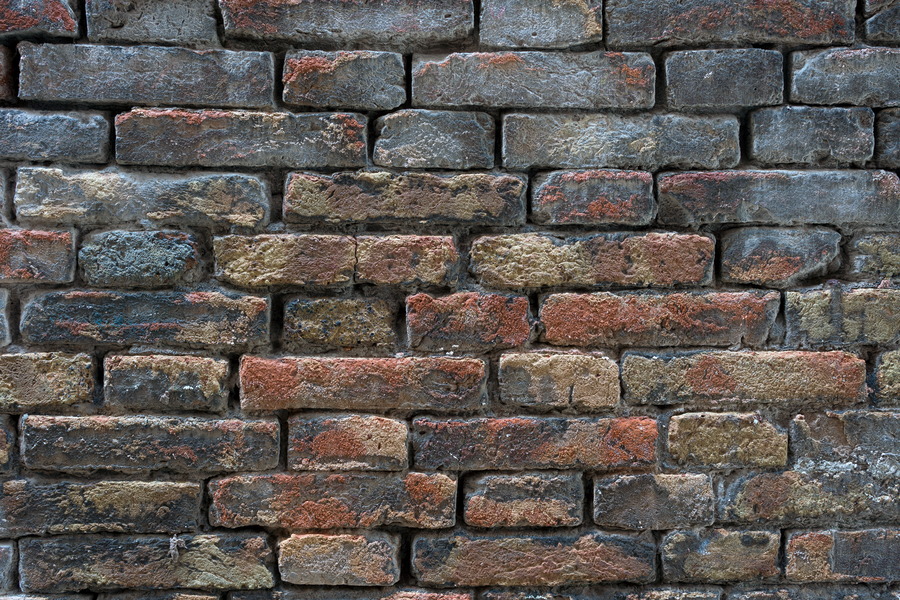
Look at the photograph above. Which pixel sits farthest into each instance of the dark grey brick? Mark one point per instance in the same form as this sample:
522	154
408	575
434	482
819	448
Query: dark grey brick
357	79
887	152
597	197
653	501
778	257
74	137
858	76
882	20
805	135
537	24
140	259
165	382
181	22
431	139
718	79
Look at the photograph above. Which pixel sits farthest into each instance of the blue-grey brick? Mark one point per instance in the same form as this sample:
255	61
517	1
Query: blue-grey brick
882	20
806	135
8	564
719	79
887	150
143	259
165	383
778	257
431	139
858	76
649	501
4	318
52	18
357	79
74	137
538	24
809	592
181	22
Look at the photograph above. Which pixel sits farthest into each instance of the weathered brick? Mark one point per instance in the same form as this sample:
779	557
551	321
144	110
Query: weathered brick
204	319
140	259
535	260
407	260
632	141
653	501
534	443
321	559
57	18
887	149
378	24
826	379
358	79
542	382
160	382
635	24
149	75
217	138
646	592
860	76
534	24
7	74
8	564
644	319
433	139
720	556
33	256
162	595
345	593
181	22
285	259
8	447
467	321
867	556
809	592
339	322
836	316
887	378
327	500
143	444
46	195
536	499
4	318
40	381
376	197
72	137
778	258
882	21
728	78
346	443
467	560
810	135
30	508
861	441
599	197
779	197
206	562
726	440
404	384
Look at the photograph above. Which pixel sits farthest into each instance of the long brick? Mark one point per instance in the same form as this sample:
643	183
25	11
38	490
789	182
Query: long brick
358	79
346	593
179	22
866	556
148	75
68	137
204	319
405	384
648	501
536	499
406	260
863	441
720	556
836	316
8	566
534	443
140	259
320	559
33	256
434	139
216	138
47	195
643	319
778	257
159	595
205	562
808	592
57	18
779	197
534	24
597	197
35	382
143	444
543	382
162	382
346	443
468	321
328	501
859	76
339	322
631	592
726	440
617	141
721	79
812	135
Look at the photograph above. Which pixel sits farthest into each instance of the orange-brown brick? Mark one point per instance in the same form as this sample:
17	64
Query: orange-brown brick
44	381
867	556
536	499
406	260
467	321
32	256
360	560
347	443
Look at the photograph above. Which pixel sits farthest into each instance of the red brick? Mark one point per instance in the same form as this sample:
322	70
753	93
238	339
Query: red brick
594	197
31	256
467	321
347	443
406	260
57	18
535	499
358	560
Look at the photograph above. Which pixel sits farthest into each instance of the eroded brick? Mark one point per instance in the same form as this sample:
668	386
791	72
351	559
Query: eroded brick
432	139
867	556
543	382
8	447
887	378
320	559
720	556
140	259
467	321
406	260
346	593
70	137
33	256
56	18
597	197
836	316
779	258
882	21
161	382
347	443
534	24
7	74
809	135
875	255
41	381
4	318
857	76
181	22
653	501
339	322
358	79
726	440
537	499
728	78
859	440
887	146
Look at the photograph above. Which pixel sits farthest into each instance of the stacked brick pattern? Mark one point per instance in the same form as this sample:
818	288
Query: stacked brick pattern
443	300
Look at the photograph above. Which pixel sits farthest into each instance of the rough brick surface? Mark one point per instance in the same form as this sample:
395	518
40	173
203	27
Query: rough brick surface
887	147
347	443
852	556
467	320
537	499
34	256
36	382
534	24
140	259
543	382
861	76
421	139
406	260
597	197
726	440
776	257
653	501
178	22
324	559
339	322
805	135
165	383
55	18
73	137
362	80
696	78
720	556
834	316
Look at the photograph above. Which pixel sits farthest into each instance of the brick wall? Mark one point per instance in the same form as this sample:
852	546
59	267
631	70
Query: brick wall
450	300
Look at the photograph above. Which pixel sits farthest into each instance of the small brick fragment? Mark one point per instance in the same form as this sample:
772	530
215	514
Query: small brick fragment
867	556
162	382
339	322
720	556
882	21
856	76
837	316
179	22
407	260
778	258
728	78
36	382
467	321
358	79
431	139
536	499
859	440
347	443
650	501
598	197
140	259
71	137
56	18
726	440
33	256
887	146
360	560
535	24
543	382
810	135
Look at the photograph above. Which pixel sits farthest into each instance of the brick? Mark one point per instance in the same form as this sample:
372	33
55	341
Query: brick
643	319
534	443
205	561
867	556
179	22
329	500
33	256
467	321
468	560
590	80
534	24
7	74
140	259
320	559
339	322
217	138
143	444
187	319
218	201
887	378
346	443
379	24
382	197
148	75
728	78
810	135
4	319
810	593
317	593
779	258
357	79
166	383
882	21
8	447
537	499
598	197
39	381
836	316
726	440
535	260
619	141
648	501
56	18
30	508
887	149
859	76
720	556
285	259
633	23
703	378
72	137
396	384
778	197
542	382
608	593
8	564
407	260
860	441
164	595
432	139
